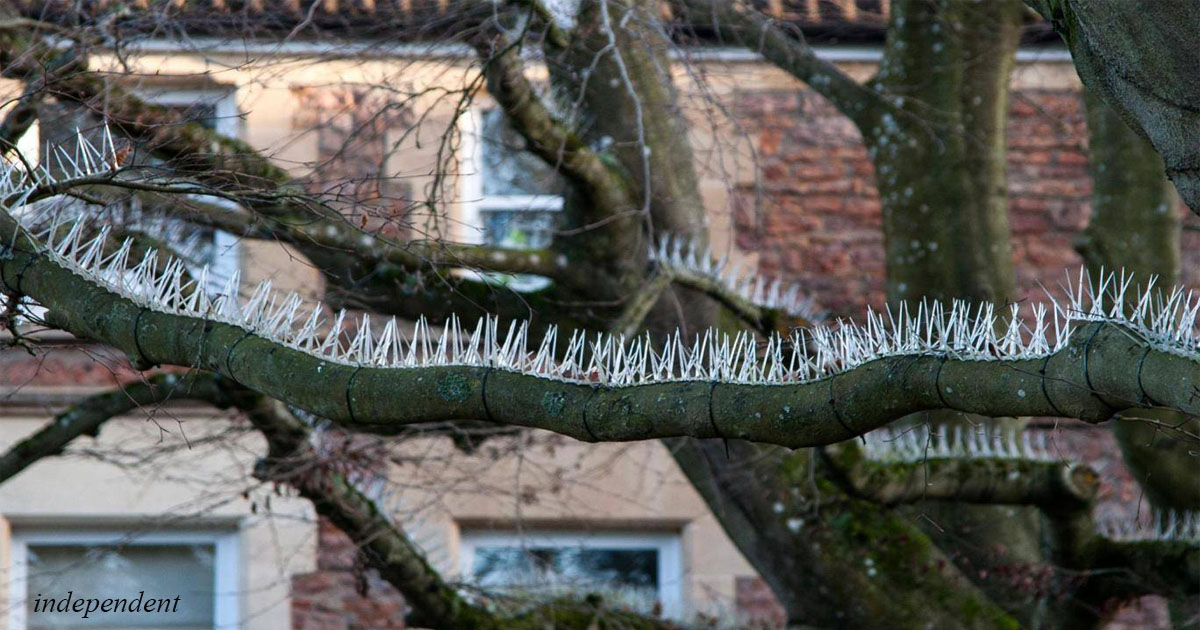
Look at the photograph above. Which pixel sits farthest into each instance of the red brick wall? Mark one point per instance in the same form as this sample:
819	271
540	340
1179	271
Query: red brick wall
340	594
818	220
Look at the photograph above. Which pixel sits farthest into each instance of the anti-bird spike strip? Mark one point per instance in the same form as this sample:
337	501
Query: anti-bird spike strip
159	313
962	331
1161	526
957	442
678	253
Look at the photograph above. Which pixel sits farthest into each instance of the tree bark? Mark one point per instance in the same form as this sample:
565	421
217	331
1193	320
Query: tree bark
1142	57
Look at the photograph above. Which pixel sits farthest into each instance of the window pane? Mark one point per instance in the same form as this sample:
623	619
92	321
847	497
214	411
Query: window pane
630	573
508	169
199	112
162	571
519	228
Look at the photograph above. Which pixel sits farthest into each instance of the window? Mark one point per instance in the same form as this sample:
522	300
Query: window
216	109
28	149
512	197
638	569
198	568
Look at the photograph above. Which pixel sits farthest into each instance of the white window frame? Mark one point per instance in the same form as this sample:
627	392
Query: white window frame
473	202
28	146
226	566
667	544
226	249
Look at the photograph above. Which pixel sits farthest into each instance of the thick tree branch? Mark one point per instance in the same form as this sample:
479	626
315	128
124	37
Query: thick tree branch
549	137
1160	567
639	305
364	246
231	168
1140	57
761	318
1052	486
292	460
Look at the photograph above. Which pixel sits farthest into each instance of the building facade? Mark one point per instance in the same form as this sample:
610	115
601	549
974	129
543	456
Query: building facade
169	492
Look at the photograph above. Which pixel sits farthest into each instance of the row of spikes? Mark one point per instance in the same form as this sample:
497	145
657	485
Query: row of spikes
920	443
84	158
184	239
959	330
1162	526
677	252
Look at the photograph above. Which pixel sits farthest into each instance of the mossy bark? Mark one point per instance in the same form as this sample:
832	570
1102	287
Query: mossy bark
832	560
619	68
940	169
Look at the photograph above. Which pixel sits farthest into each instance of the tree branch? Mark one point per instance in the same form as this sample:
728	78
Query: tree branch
1161	567
549	138
87	417
639	305
745	25
292	460
762	318
231	168
388	549
1052	486
364	246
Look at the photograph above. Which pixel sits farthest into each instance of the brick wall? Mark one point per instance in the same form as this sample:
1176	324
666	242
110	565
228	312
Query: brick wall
818	219
815	219
818	216
341	594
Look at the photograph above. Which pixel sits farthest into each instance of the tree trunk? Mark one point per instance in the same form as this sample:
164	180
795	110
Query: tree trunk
940	167
940	170
1135	227
940	160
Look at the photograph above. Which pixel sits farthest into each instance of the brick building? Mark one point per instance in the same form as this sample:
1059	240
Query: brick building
803	208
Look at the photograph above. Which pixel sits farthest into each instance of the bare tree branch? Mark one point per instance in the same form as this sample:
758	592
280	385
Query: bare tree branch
1053	486
741	23
435	603
639	305
549	138
292	460
364	246
87	417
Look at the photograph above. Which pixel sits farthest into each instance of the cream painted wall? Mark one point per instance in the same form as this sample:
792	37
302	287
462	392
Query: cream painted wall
555	483
195	484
